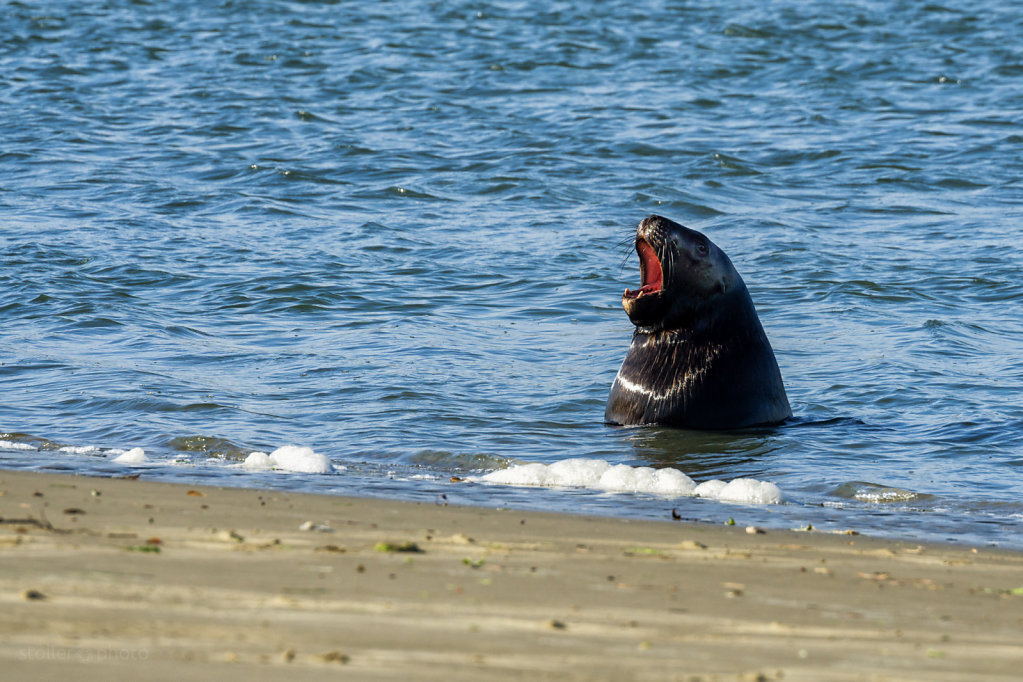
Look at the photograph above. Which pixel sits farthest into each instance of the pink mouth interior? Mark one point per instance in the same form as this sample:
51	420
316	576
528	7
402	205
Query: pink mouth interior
649	270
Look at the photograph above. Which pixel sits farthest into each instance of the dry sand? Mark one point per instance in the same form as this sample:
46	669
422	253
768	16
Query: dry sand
114	579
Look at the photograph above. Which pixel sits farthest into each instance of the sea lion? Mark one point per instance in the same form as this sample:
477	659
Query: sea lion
699	357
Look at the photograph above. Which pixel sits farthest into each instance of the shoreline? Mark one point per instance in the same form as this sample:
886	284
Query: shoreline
115	578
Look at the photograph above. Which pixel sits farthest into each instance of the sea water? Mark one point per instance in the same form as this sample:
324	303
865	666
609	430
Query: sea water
382	245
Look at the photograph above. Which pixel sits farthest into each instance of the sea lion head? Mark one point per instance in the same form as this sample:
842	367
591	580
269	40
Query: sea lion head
683	275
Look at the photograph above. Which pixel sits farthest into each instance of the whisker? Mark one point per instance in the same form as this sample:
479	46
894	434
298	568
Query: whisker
631	239
625	261
628	245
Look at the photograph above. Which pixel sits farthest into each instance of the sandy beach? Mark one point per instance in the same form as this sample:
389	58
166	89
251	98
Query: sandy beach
127	579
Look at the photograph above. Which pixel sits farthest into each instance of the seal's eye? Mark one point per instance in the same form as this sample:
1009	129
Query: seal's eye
702	249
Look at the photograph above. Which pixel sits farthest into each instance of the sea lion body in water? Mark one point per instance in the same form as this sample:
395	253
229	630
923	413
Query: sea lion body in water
699	357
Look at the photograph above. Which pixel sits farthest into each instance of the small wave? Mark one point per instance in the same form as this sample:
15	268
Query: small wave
210	446
79	449
875	493
13	445
24	442
458	463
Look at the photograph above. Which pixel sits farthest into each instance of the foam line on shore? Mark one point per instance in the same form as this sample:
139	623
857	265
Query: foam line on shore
598	474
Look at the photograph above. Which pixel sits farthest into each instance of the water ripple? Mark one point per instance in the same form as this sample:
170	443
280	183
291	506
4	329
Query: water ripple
397	234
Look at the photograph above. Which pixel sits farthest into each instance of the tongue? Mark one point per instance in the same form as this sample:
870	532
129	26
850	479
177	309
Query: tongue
652	275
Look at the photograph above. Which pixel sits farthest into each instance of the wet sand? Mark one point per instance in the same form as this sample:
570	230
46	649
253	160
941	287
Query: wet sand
127	579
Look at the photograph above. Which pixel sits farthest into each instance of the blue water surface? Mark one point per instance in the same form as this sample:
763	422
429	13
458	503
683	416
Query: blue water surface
398	233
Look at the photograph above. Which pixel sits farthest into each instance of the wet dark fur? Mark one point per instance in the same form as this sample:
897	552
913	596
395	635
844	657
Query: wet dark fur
699	354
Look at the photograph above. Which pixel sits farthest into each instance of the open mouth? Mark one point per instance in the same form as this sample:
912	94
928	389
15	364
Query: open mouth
649	270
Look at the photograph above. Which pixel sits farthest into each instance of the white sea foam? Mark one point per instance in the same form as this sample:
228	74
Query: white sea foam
748	491
598	474
258	461
667	481
133	456
295	458
709	489
11	445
